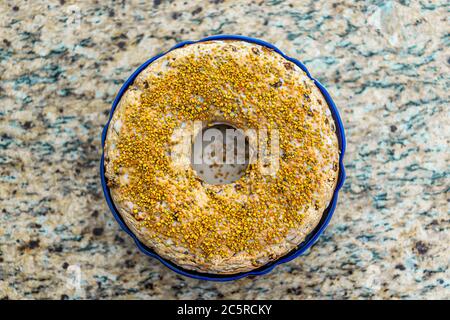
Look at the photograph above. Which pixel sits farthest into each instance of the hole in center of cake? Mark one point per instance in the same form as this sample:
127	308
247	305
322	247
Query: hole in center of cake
220	153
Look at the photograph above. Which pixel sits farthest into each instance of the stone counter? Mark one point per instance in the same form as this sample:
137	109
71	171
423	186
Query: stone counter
386	64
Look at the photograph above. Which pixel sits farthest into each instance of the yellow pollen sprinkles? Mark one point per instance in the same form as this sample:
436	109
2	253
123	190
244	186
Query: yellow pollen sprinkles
234	227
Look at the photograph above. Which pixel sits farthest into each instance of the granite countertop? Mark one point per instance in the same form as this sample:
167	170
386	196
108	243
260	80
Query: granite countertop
385	63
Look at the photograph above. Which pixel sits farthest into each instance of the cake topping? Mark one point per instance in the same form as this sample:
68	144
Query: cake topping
249	89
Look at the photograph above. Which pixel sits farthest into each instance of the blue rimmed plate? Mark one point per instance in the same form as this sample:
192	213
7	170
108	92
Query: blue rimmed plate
302	247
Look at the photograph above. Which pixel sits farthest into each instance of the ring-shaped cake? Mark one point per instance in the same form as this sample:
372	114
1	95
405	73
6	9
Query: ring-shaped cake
221	228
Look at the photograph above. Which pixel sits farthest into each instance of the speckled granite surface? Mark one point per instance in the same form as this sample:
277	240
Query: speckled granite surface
385	63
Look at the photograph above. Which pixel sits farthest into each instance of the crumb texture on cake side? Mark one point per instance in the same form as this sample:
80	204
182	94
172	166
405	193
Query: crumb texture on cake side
236	227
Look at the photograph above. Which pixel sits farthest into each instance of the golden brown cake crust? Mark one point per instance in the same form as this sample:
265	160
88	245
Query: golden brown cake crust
237	227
